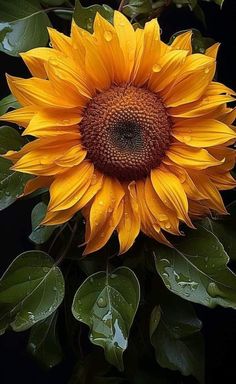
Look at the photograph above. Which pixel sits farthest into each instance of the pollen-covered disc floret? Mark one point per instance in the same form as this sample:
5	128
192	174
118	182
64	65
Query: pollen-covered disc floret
126	131
129	130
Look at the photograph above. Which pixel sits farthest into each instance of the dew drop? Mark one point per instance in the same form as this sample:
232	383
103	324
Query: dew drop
101	302
213	290
167	226
187	139
156	68
207	70
108	36
162	217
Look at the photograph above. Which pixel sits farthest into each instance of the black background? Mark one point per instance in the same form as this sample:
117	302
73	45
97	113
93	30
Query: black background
219	324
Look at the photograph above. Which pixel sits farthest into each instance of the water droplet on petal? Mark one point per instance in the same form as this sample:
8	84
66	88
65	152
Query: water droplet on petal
207	70
156	68
108	36
187	139
162	217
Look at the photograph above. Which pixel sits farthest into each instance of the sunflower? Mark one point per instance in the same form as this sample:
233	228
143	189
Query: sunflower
133	132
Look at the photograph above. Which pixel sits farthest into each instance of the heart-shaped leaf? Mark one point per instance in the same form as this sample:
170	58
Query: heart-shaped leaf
107	303
23	25
11	182
175	336
196	269
224	229
84	16
134	8
43	342
31	289
40	234
7	103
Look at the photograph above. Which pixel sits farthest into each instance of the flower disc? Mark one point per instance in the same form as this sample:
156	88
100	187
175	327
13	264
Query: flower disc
126	131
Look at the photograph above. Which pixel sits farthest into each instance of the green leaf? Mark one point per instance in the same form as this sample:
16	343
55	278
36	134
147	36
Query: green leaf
40	233
23	25
43	342
175	336
219	2
107	303
200	15
31	289
10	139
224	229
84	16
190	3
11	182
134	8
98	375
53	3
65	14
196	269
7	103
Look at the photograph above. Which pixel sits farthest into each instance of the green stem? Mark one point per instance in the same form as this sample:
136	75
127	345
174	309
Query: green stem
122	3
64	253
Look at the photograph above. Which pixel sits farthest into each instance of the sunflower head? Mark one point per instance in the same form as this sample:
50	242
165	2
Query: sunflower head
133	132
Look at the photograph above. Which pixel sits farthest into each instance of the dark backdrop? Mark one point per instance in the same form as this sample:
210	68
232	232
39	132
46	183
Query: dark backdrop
219	324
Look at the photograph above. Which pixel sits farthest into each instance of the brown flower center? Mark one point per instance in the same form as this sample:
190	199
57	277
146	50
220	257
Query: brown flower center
126	132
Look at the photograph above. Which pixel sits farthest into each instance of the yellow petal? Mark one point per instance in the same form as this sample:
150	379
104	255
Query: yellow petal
70	82
68	189
229	116
36	58
38	157
166	217
168	68
99	69
214	199
74	156
149	224
37	183
202	132
59	217
60	41
150	42
222	181
198	209
21	116
183	41
198	70
112	53
171	192
104	214
189	187
36	91
213	50
53	122
129	226
127	40
191	157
